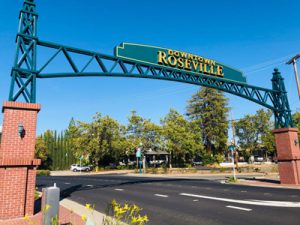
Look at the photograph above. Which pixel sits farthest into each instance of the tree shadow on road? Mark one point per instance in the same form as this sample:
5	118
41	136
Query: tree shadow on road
65	193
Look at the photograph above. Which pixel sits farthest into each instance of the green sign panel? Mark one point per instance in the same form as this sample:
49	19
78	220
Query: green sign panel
174	59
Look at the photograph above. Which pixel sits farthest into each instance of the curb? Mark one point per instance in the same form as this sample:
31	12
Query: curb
80	210
257	183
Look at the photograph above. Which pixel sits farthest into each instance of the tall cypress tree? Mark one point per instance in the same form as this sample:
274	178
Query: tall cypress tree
209	108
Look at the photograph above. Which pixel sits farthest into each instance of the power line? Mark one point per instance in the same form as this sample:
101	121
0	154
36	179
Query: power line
267	63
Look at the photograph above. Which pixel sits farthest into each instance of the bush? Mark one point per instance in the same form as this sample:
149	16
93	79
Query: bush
208	159
45	173
152	170
118	214
231	180
222	169
122	167
36	194
219	158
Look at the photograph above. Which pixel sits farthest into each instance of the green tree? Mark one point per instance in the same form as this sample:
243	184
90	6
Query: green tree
296	119
134	130
254	132
141	130
182	138
209	108
101	141
42	152
152	135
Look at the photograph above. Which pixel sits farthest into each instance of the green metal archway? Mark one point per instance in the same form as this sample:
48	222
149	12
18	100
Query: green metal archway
25	71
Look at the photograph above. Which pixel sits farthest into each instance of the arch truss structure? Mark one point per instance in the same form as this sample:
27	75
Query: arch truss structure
26	70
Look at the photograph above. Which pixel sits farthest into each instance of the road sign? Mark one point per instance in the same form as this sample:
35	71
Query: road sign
138	153
177	60
231	148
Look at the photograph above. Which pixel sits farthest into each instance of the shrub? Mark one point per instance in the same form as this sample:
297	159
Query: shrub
124	214
152	170
222	169
219	158
231	180
36	194
45	173
208	159
121	167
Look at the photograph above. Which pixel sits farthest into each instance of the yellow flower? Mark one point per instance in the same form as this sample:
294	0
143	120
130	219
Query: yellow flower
47	207
116	208
121	211
145	218
126	207
113	203
88	206
134	220
84	218
26	217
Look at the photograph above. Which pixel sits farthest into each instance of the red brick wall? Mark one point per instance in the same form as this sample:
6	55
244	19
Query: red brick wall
12	145
288	154
30	191
17	163
12	196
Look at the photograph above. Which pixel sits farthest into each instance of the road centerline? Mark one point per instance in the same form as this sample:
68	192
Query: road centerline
239	208
163	196
119	189
248	202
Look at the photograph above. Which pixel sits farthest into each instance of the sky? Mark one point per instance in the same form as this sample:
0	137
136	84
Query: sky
253	36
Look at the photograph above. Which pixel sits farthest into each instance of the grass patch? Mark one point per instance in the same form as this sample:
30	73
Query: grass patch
44	173
231	180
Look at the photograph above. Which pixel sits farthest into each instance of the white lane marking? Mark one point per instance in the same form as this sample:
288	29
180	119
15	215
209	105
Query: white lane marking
195	200
67	183
119	189
163	196
248	202
240	208
243	191
89	185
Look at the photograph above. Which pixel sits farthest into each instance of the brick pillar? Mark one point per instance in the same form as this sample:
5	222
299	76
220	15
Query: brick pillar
17	163
288	154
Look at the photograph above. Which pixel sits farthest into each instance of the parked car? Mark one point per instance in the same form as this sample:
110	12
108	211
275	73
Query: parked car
259	159
197	163
156	162
77	167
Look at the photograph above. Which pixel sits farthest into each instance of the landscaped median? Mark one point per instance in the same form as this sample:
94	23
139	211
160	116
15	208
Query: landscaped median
262	169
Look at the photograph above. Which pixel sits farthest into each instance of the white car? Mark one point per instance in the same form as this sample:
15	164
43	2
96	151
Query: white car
77	167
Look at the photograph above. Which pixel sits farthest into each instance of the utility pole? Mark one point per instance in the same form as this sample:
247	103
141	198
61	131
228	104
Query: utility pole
294	61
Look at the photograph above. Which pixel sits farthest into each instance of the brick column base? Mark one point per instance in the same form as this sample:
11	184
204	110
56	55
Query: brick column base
17	163
288	154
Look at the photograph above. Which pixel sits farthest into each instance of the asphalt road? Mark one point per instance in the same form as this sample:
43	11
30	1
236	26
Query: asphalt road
184	201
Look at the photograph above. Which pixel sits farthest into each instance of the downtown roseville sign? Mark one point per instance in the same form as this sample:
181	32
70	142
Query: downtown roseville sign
177	60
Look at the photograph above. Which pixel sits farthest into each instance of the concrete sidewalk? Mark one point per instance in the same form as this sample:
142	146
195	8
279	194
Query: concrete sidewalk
71	173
